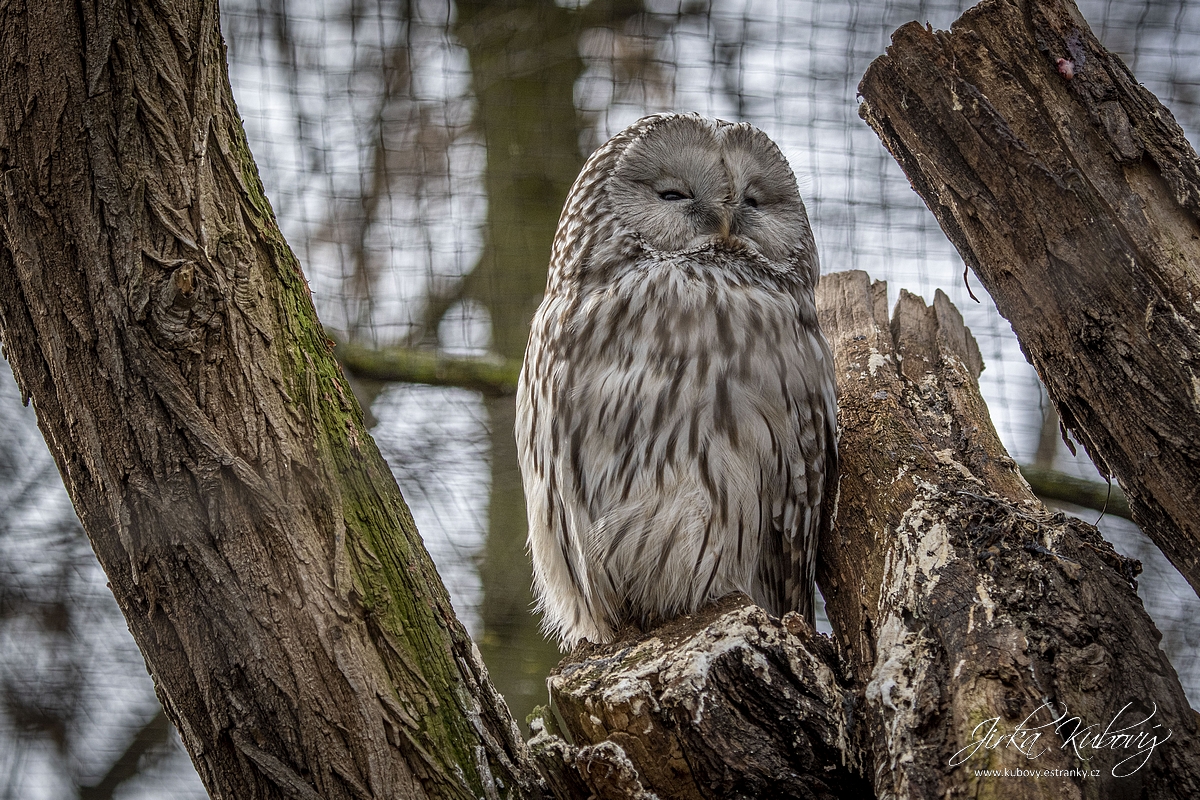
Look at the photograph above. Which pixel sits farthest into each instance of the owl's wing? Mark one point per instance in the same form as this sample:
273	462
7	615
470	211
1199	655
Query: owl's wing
555	541
803	501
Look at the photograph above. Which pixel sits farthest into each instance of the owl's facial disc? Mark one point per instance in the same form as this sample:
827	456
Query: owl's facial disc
690	183
668	185
768	212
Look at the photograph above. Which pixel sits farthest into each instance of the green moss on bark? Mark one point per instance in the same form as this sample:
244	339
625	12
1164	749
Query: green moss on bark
418	639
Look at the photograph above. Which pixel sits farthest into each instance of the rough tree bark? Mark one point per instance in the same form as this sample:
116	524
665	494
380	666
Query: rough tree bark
955	596
254	538
956	599
1073	194
728	703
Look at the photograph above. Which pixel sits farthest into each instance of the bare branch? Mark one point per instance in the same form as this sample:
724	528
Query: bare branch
492	377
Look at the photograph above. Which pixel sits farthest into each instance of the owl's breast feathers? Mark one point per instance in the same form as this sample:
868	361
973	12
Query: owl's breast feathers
689	405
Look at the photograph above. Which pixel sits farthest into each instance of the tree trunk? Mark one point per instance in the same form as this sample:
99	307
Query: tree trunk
524	64
1073	194
957	598
961	607
254	538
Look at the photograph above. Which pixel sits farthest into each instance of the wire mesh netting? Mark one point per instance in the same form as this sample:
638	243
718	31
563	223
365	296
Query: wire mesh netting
417	154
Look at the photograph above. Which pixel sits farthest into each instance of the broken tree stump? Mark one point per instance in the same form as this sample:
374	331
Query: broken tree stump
956	597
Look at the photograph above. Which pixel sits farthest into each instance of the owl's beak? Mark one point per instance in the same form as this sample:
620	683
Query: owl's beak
725	226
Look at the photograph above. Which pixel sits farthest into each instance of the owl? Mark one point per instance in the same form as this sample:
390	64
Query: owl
676	411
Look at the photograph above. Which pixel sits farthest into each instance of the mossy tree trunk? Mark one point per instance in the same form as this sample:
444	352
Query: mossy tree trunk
267	565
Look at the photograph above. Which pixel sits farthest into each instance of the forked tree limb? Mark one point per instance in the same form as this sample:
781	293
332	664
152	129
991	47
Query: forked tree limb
956	598
1075	197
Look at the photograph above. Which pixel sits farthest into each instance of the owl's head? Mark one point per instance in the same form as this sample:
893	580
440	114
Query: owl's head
683	182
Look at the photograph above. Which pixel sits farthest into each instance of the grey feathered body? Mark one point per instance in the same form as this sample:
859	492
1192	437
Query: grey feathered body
676	424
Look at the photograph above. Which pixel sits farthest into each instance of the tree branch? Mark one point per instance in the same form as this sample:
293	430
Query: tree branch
498	378
956	597
728	703
493	378
1050	484
152	736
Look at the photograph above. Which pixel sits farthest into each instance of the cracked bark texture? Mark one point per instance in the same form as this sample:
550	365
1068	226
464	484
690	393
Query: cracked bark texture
956	599
267	565
1075	197
728	703
955	596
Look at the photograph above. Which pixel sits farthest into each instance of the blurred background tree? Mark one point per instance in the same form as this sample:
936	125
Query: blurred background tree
417	153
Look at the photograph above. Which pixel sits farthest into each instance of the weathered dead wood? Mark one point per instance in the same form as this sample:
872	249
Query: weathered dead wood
956	599
729	703
1073	194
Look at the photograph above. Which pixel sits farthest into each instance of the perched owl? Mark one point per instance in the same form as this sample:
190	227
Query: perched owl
676	415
